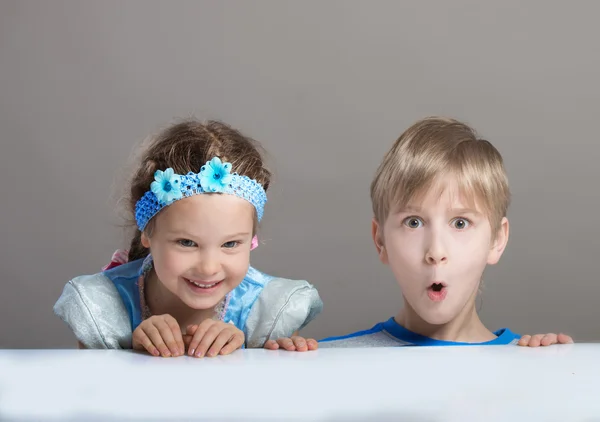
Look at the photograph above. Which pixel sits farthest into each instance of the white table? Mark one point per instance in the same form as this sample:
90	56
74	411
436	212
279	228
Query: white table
494	383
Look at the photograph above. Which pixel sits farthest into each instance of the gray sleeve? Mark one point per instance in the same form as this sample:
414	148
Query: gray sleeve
377	339
92	308
283	307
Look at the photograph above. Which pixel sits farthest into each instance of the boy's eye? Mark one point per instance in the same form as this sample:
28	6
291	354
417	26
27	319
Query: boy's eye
186	243
460	223
413	222
230	245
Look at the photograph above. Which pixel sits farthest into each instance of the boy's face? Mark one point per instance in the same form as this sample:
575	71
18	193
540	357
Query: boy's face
437	247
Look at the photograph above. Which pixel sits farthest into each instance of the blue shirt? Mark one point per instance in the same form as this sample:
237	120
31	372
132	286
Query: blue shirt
390	334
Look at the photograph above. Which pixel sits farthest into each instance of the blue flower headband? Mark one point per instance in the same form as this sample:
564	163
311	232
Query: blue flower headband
214	177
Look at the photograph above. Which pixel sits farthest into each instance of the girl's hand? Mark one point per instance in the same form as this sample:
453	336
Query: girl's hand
294	343
160	335
211	338
544	340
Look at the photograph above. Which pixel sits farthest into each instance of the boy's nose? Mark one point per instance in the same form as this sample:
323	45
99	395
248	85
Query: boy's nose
436	252
433	258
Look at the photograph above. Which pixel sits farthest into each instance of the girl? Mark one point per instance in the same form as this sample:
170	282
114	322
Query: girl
197	198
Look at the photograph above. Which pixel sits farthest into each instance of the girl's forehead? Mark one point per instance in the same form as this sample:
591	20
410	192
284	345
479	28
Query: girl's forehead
208	211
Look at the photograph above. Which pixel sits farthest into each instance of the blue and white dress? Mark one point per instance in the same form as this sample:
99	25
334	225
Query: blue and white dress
104	309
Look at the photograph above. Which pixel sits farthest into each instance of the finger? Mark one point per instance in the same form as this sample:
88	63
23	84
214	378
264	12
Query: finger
549	339
191	329
312	344
177	336
235	343
271	345
300	343
152	332
286	343
198	335
221	340
207	340
142	342
167	336
564	339
536	340
524	341
187	339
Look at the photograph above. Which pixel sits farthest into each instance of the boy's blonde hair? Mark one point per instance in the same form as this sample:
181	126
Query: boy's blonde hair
434	147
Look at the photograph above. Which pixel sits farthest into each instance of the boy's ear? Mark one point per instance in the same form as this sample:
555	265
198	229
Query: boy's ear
499	243
145	240
377	233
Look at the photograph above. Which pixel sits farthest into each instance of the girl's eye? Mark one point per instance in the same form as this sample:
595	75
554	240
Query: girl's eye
460	223
413	222
229	245
186	243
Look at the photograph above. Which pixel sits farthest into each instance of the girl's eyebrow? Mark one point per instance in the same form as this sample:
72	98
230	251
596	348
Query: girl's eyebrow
184	233
240	234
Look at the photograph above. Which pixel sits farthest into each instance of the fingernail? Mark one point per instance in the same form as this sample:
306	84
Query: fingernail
191	352
199	354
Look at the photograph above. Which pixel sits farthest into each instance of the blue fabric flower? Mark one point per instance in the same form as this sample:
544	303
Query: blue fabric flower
166	186
215	175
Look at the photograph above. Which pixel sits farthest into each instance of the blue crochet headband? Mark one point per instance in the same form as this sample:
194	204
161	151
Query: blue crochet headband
214	177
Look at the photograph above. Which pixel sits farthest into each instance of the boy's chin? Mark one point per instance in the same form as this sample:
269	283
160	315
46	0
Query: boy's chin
437	318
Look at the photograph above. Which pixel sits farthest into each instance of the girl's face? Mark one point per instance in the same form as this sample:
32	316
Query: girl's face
201	247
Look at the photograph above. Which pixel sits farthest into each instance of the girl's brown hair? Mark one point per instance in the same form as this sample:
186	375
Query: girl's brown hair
187	146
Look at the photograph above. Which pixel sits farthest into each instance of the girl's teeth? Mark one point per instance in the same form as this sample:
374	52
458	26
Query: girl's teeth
204	286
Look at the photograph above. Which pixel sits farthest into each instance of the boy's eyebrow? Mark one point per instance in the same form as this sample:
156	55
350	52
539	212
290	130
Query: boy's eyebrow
408	208
417	209
464	211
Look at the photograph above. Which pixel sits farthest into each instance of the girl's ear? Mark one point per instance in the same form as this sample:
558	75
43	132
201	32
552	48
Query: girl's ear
145	240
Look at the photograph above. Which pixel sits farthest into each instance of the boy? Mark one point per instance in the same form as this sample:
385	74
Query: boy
439	199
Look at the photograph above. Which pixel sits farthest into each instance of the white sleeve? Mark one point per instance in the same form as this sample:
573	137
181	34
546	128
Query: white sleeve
283	307
93	309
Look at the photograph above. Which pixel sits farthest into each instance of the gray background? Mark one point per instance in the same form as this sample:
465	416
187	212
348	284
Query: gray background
326	86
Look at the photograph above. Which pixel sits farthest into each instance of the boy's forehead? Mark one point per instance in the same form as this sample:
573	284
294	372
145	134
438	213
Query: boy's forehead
444	192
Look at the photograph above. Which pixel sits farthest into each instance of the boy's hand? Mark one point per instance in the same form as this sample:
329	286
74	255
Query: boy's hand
294	343
211	338
544	340
160	335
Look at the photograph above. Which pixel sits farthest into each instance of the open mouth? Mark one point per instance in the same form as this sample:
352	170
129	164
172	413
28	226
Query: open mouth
437	292
437	287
